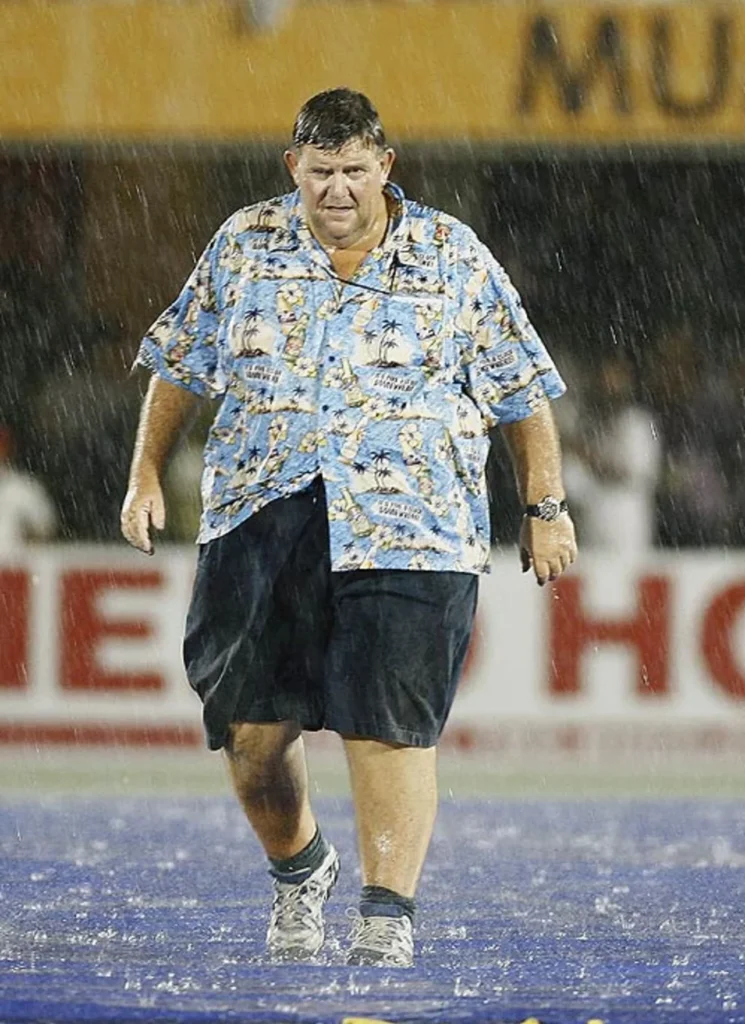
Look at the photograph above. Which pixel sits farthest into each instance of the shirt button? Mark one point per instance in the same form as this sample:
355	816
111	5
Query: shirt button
324	408
332	359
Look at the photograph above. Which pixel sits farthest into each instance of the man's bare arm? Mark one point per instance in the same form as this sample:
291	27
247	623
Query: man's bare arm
164	413
534	448
533	443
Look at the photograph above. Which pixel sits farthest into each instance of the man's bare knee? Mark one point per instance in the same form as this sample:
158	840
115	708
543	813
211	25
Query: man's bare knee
266	762
255	751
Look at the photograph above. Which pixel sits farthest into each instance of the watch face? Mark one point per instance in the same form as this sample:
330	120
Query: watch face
549	509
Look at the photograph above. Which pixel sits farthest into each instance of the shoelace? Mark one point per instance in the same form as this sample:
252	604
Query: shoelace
296	906
381	934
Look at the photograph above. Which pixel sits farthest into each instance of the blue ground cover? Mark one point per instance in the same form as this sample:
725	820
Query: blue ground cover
154	910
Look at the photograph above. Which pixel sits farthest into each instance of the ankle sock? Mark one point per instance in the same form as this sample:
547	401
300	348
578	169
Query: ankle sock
297	869
377	901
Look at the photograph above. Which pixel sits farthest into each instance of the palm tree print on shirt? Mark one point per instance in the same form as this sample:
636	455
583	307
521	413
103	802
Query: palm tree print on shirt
252	336
386	348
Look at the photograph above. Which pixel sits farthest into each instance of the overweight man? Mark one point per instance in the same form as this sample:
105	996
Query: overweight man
358	347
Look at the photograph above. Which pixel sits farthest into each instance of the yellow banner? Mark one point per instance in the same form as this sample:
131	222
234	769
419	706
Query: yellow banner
557	72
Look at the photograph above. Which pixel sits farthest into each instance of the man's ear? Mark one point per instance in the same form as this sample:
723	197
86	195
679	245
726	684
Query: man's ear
291	162
388	160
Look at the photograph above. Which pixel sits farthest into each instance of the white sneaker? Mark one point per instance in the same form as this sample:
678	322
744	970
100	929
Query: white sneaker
296	929
381	941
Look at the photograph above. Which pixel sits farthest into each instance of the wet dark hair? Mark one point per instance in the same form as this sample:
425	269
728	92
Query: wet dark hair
332	118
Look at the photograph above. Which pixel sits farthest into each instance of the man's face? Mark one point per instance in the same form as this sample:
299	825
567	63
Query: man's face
341	190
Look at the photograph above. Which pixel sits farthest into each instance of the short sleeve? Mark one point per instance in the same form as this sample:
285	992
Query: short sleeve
182	344
510	373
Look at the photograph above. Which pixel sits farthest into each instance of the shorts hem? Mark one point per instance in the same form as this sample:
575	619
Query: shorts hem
384	734
217	740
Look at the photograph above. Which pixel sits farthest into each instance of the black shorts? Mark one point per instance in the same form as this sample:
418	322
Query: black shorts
273	635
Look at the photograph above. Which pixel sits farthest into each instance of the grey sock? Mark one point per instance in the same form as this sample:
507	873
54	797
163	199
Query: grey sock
377	901
299	867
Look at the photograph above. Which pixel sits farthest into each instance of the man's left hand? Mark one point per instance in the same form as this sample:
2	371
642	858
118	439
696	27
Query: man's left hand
549	548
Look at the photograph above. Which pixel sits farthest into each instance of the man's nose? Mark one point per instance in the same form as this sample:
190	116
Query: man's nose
338	184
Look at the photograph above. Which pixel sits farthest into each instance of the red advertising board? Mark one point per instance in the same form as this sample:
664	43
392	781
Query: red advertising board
611	656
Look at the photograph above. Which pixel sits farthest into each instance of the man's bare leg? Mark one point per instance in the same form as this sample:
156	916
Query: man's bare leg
267	766
270	778
395	799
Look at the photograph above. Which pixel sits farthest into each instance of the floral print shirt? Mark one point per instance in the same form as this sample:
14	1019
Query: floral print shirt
385	384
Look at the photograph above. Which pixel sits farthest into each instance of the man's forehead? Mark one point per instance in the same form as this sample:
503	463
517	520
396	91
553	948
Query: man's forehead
355	149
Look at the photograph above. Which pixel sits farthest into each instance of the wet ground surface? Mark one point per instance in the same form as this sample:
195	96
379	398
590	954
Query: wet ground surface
154	909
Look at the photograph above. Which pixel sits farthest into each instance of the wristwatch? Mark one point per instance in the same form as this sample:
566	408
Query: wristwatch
548	509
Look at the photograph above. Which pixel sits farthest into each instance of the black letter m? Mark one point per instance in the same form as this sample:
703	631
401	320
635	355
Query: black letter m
544	52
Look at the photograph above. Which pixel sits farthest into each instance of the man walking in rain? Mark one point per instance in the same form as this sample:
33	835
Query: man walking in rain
360	347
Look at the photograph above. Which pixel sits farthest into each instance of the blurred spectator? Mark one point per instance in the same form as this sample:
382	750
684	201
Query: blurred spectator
732	419
701	412
79	418
183	479
612	466
182	492
26	510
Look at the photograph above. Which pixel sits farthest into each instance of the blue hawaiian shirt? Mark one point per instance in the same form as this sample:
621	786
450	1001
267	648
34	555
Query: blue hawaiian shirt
385	385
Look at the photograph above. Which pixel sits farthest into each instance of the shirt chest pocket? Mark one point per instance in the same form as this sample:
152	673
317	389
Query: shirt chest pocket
417	299
412	331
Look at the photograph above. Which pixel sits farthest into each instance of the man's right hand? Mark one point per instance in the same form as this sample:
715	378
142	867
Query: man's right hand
143	508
